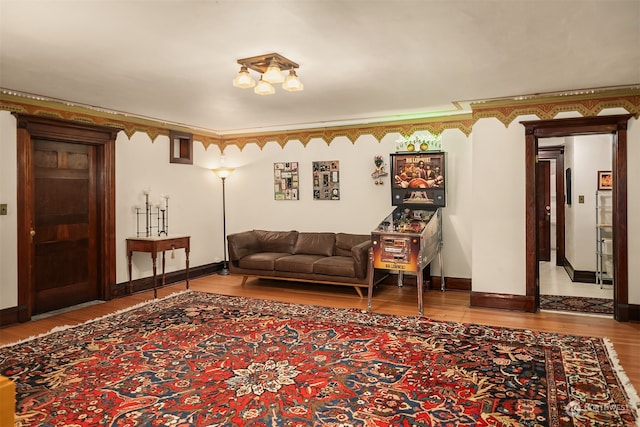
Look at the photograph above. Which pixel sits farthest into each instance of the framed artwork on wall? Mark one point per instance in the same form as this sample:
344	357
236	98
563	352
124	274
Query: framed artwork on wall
326	180
605	180
285	181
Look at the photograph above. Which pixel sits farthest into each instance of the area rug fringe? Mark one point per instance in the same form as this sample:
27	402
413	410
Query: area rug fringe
115	313
632	394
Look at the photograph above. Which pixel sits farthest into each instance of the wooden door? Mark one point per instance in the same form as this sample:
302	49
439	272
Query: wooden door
65	225
66	213
543	209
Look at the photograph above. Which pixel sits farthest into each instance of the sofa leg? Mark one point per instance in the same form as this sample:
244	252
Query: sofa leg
244	280
357	288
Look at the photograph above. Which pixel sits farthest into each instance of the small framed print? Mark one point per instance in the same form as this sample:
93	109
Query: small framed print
285	181
605	180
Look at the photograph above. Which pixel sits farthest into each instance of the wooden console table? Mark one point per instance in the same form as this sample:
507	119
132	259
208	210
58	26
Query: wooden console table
154	245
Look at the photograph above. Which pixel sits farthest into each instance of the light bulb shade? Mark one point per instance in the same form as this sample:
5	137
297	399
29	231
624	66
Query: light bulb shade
222	172
273	74
264	88
292	83
243	79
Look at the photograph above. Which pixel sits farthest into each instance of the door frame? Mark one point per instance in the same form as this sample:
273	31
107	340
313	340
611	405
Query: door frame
617	126
30	127
545	192
557	154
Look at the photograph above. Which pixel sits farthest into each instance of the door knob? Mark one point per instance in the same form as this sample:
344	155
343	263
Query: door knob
32	233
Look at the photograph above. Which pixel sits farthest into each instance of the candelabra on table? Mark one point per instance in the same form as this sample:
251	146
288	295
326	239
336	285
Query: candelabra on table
151	212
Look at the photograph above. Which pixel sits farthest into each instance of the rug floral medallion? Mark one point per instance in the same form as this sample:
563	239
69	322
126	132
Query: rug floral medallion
199	359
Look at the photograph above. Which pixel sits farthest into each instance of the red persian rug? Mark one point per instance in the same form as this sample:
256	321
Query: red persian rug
198	359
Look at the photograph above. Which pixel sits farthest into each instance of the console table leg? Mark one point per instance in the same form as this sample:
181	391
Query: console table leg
129	286
163	276
155	291
186	252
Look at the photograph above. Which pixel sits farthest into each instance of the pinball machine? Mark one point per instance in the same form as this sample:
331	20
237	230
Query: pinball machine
408	239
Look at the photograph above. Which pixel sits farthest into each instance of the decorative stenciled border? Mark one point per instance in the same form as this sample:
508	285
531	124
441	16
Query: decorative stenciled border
506	110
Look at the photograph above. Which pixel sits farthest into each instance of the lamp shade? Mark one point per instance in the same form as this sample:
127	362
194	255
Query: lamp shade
243	79
222	172
292	83
264	88
273	74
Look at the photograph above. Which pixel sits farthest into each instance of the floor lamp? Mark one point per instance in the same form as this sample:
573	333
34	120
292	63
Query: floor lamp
223	173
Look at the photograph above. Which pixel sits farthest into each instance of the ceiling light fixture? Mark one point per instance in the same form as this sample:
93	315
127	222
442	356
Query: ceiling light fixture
271	67
264	87
243	79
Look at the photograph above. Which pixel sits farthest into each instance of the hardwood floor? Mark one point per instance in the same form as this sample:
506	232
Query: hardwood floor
450	306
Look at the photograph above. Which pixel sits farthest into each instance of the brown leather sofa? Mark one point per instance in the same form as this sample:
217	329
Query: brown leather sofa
333	258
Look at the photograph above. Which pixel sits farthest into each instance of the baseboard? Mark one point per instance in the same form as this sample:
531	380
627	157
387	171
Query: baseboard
11	315
582	276
451	283
146	283
502	301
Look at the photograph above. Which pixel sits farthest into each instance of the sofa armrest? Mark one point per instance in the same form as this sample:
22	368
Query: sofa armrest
242	244
360	253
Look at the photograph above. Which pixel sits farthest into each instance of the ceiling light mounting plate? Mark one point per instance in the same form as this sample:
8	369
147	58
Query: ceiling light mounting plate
261	62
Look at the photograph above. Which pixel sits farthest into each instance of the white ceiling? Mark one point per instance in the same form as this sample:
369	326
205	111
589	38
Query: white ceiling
360	60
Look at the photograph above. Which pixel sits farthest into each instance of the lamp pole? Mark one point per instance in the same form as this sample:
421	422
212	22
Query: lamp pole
225	265
223	173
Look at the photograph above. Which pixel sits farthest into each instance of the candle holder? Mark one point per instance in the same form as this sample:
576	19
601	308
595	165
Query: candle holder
156	218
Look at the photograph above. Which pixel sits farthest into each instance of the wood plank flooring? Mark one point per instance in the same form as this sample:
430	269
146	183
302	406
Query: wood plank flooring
450	306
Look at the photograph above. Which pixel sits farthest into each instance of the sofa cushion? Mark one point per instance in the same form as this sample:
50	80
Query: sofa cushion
261	260
297	263
345	241
335	266
276	241
242	244
315	244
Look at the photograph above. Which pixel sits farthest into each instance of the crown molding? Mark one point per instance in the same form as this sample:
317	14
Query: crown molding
506	110
547	106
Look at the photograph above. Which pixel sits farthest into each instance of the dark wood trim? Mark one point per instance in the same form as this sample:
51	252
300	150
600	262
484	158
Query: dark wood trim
617	126
451	283
30	127
146	283
532	273
620	242
557	154
11	315
503	301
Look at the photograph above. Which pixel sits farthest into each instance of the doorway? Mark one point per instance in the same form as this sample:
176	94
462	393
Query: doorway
66	211
616	125
568	280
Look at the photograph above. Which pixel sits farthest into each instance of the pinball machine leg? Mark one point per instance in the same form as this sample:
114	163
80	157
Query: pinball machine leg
420	284
441	260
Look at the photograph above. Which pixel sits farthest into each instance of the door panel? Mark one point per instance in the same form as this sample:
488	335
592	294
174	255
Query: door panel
65	260
543	208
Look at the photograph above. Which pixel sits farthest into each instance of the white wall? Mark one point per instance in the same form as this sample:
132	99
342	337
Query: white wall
195	202
362	204
590	153
8	223
484	214
498	207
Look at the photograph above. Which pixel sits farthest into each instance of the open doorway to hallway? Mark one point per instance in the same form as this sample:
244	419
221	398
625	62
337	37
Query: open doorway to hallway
574	269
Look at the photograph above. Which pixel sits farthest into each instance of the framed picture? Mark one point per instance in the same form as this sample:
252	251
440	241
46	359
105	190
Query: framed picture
285	181
326	180
605	180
